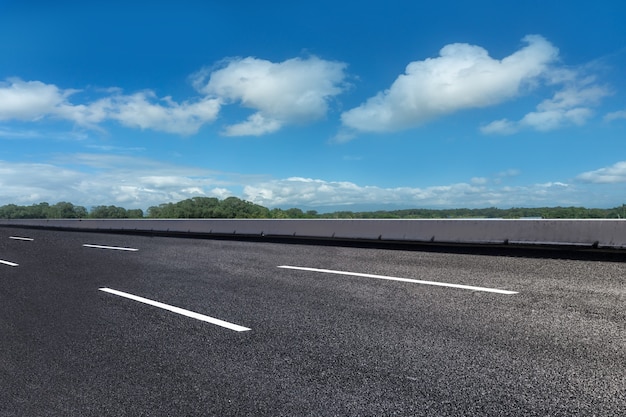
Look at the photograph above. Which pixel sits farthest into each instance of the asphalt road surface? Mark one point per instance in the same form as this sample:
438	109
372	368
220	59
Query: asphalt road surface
120	325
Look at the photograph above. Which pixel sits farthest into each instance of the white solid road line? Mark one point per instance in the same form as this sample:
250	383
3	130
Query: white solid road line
110	247
178	310
414	281
21	238
8	263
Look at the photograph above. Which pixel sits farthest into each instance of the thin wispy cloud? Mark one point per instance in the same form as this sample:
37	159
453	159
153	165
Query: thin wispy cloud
141	182
616	115
307	192
571	106
613	174
110	179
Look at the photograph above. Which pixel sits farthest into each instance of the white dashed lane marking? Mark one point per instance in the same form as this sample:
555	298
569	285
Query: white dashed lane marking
21	238
414	281
110	247
8	263
178	310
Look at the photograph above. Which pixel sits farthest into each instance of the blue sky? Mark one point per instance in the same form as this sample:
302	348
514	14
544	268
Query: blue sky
320	105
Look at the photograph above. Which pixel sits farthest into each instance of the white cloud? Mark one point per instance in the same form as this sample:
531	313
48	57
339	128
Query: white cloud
609	175
500	127
293	91
343	136
256	125
570	106
140	110
574	97
220	192
31	100
18	133
463	76
509	173
479	181
555	119
34	100
306	192
24	183
97	179
616	115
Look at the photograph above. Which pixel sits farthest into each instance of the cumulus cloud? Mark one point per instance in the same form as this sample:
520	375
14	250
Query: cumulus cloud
34	100
142	110
609	175
31	100
463	76
293	91
570	106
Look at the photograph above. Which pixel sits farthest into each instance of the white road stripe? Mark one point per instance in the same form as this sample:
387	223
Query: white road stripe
110	247
21	238
8	263
178	310
414	281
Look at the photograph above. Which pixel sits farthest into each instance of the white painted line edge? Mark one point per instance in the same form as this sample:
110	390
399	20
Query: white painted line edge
21	238
178	310
8	263
110	247
414	281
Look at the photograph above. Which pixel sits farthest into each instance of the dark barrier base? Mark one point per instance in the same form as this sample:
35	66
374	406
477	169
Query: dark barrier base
572	252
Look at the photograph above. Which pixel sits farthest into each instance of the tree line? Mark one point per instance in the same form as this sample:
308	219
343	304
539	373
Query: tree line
235	208
488	213
65	210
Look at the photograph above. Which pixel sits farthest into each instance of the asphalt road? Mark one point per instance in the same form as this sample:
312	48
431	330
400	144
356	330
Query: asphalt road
319	343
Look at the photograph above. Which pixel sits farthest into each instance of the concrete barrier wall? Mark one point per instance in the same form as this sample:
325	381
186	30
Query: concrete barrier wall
596	233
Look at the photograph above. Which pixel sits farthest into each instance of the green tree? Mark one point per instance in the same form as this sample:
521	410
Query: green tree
65	210
108	212
135	214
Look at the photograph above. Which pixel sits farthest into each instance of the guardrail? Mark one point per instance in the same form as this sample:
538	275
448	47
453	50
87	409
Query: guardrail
599	233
